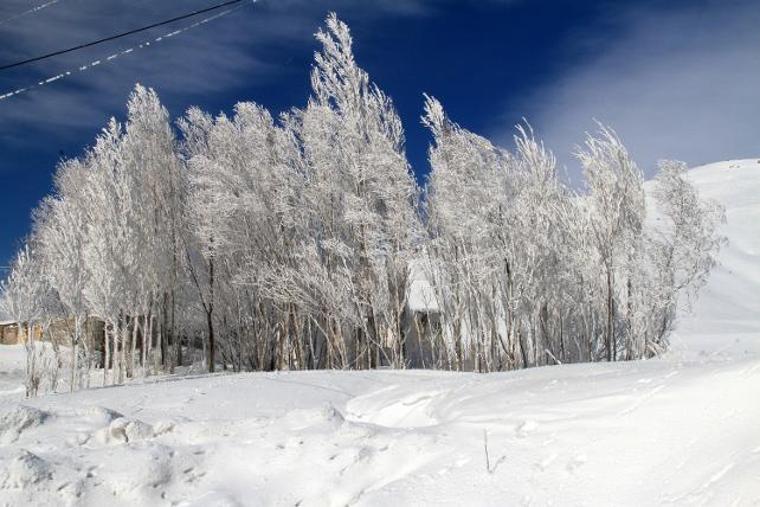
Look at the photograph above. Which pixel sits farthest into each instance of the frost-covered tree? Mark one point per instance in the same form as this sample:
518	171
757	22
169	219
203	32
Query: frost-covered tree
61	236
239	204
501	225
149	148
21	298
115	223
468	201
616	204
682	250
110	253
362	195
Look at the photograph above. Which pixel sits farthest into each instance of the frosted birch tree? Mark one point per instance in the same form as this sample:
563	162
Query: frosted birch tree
61	243
21	296
683	248
363	195
616	196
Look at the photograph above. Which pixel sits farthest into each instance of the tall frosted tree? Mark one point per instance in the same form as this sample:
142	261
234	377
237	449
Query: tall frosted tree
499	225
243	218
363	198
616	196
150	151
682	250
21	298
62	236
468	199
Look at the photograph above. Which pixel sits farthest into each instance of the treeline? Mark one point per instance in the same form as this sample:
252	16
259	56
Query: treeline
289	242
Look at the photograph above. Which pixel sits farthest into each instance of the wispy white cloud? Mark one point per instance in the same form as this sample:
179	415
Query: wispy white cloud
675	83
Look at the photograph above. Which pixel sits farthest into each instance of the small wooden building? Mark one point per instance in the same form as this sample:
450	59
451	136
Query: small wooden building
8	332
59	331
422	319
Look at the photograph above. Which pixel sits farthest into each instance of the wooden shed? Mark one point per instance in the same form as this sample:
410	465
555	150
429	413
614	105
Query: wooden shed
8	332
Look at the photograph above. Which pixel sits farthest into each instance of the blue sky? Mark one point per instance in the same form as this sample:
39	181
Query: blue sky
677	79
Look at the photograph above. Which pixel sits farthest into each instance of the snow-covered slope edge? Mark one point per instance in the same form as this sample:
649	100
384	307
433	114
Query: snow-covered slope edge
725	321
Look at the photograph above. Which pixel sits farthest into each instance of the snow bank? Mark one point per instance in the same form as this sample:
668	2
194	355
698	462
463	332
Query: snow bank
15	419
23	470
12	361
626	434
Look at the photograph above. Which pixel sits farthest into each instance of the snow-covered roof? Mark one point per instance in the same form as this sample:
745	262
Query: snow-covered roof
421	296
5	319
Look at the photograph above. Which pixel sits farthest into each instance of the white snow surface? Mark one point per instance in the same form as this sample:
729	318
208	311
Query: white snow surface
680	430
726	319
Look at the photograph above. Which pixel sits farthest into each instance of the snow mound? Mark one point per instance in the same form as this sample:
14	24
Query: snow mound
98	415
125	430
16	419
12	368
388	407
23	470
327	417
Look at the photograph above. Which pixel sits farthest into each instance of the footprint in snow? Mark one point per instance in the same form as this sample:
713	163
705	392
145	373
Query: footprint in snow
547	461
577	462
526	428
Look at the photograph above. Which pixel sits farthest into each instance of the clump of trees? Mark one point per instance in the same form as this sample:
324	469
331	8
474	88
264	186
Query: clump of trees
259	243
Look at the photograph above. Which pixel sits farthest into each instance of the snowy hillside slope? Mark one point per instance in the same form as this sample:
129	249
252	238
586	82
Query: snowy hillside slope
681	430
726	318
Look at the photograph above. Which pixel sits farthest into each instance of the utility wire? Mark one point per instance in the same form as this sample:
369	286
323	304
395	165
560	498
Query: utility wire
119	36
114	56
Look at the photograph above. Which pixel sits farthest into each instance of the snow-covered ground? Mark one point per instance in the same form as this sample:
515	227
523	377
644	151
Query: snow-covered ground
681	430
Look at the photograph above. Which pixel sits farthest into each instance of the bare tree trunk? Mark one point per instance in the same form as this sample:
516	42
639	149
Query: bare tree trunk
133	346
211	342
611	356
88	345
107	353
164	334
119	350
145	339
177	337
30	358
159	342
74	345
210	318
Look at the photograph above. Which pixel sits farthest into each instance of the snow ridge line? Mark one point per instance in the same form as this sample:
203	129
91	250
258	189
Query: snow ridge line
113	56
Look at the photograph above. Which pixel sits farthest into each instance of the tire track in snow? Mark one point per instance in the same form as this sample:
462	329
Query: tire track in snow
643	399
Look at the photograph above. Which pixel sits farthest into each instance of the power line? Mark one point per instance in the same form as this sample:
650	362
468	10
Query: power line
119	36
110	58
